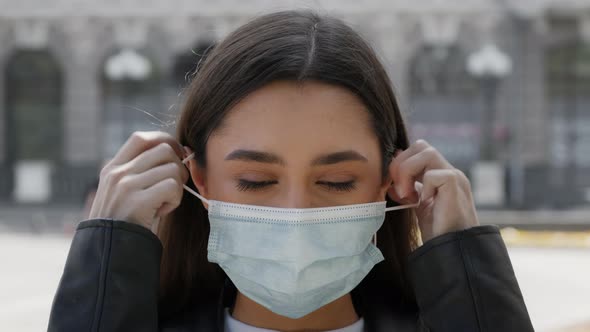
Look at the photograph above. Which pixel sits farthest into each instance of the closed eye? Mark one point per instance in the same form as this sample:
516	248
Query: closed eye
246	185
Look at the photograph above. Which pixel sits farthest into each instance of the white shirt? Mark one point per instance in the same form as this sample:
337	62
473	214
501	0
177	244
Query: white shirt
233	325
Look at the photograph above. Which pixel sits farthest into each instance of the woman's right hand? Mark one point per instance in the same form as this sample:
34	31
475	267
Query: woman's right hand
143	182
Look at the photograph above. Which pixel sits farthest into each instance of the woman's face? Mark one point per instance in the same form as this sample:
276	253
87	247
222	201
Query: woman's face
294	146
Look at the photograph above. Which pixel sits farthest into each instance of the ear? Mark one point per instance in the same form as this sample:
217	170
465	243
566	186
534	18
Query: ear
197	176
385	186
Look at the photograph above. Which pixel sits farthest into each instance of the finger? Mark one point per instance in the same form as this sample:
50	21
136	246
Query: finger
162	153
418	188
406	200
402	155
167	191
165	209
435	180
154	175
141	141
412	169
394	195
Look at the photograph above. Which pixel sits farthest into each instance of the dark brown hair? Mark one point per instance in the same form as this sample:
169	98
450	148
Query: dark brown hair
291	45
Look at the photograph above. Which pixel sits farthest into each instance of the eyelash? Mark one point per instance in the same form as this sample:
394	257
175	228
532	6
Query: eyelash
245	185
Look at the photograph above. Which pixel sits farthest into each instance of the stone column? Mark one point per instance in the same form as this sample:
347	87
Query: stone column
80	52
5	52
524	103
82	114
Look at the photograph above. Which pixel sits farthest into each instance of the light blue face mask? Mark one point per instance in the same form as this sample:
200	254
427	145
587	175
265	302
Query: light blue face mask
294	261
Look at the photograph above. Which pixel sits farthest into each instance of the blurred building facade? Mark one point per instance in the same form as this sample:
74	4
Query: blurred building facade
78	76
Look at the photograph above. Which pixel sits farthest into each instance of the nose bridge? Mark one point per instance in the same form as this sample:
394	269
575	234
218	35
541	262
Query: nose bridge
296	196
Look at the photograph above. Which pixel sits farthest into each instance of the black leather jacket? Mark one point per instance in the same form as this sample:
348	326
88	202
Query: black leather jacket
463	281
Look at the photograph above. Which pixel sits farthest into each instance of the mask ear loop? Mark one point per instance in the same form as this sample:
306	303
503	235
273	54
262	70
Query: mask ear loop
184	161
401	207
393	208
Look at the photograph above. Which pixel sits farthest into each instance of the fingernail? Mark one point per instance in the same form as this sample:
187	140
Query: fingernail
399	193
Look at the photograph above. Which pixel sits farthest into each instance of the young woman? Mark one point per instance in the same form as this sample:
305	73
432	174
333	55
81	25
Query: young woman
310	209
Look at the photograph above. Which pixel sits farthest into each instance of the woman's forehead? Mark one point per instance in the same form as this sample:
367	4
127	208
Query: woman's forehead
286	116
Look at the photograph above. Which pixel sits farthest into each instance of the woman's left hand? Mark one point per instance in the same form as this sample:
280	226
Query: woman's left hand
446	203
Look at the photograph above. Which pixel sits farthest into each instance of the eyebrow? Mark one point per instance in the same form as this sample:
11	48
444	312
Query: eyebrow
271	158
257	156
337	157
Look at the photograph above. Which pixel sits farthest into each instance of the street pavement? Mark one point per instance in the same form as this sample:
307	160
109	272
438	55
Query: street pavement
555	282
31	266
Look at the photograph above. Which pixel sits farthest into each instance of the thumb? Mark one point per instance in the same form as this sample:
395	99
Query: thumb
164	209
155	225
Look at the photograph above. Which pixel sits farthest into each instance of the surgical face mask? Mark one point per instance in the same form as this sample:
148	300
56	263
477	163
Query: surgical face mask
294	261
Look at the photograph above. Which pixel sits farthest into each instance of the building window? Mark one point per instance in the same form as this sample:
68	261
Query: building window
443	107
33	107
132	98
567	70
